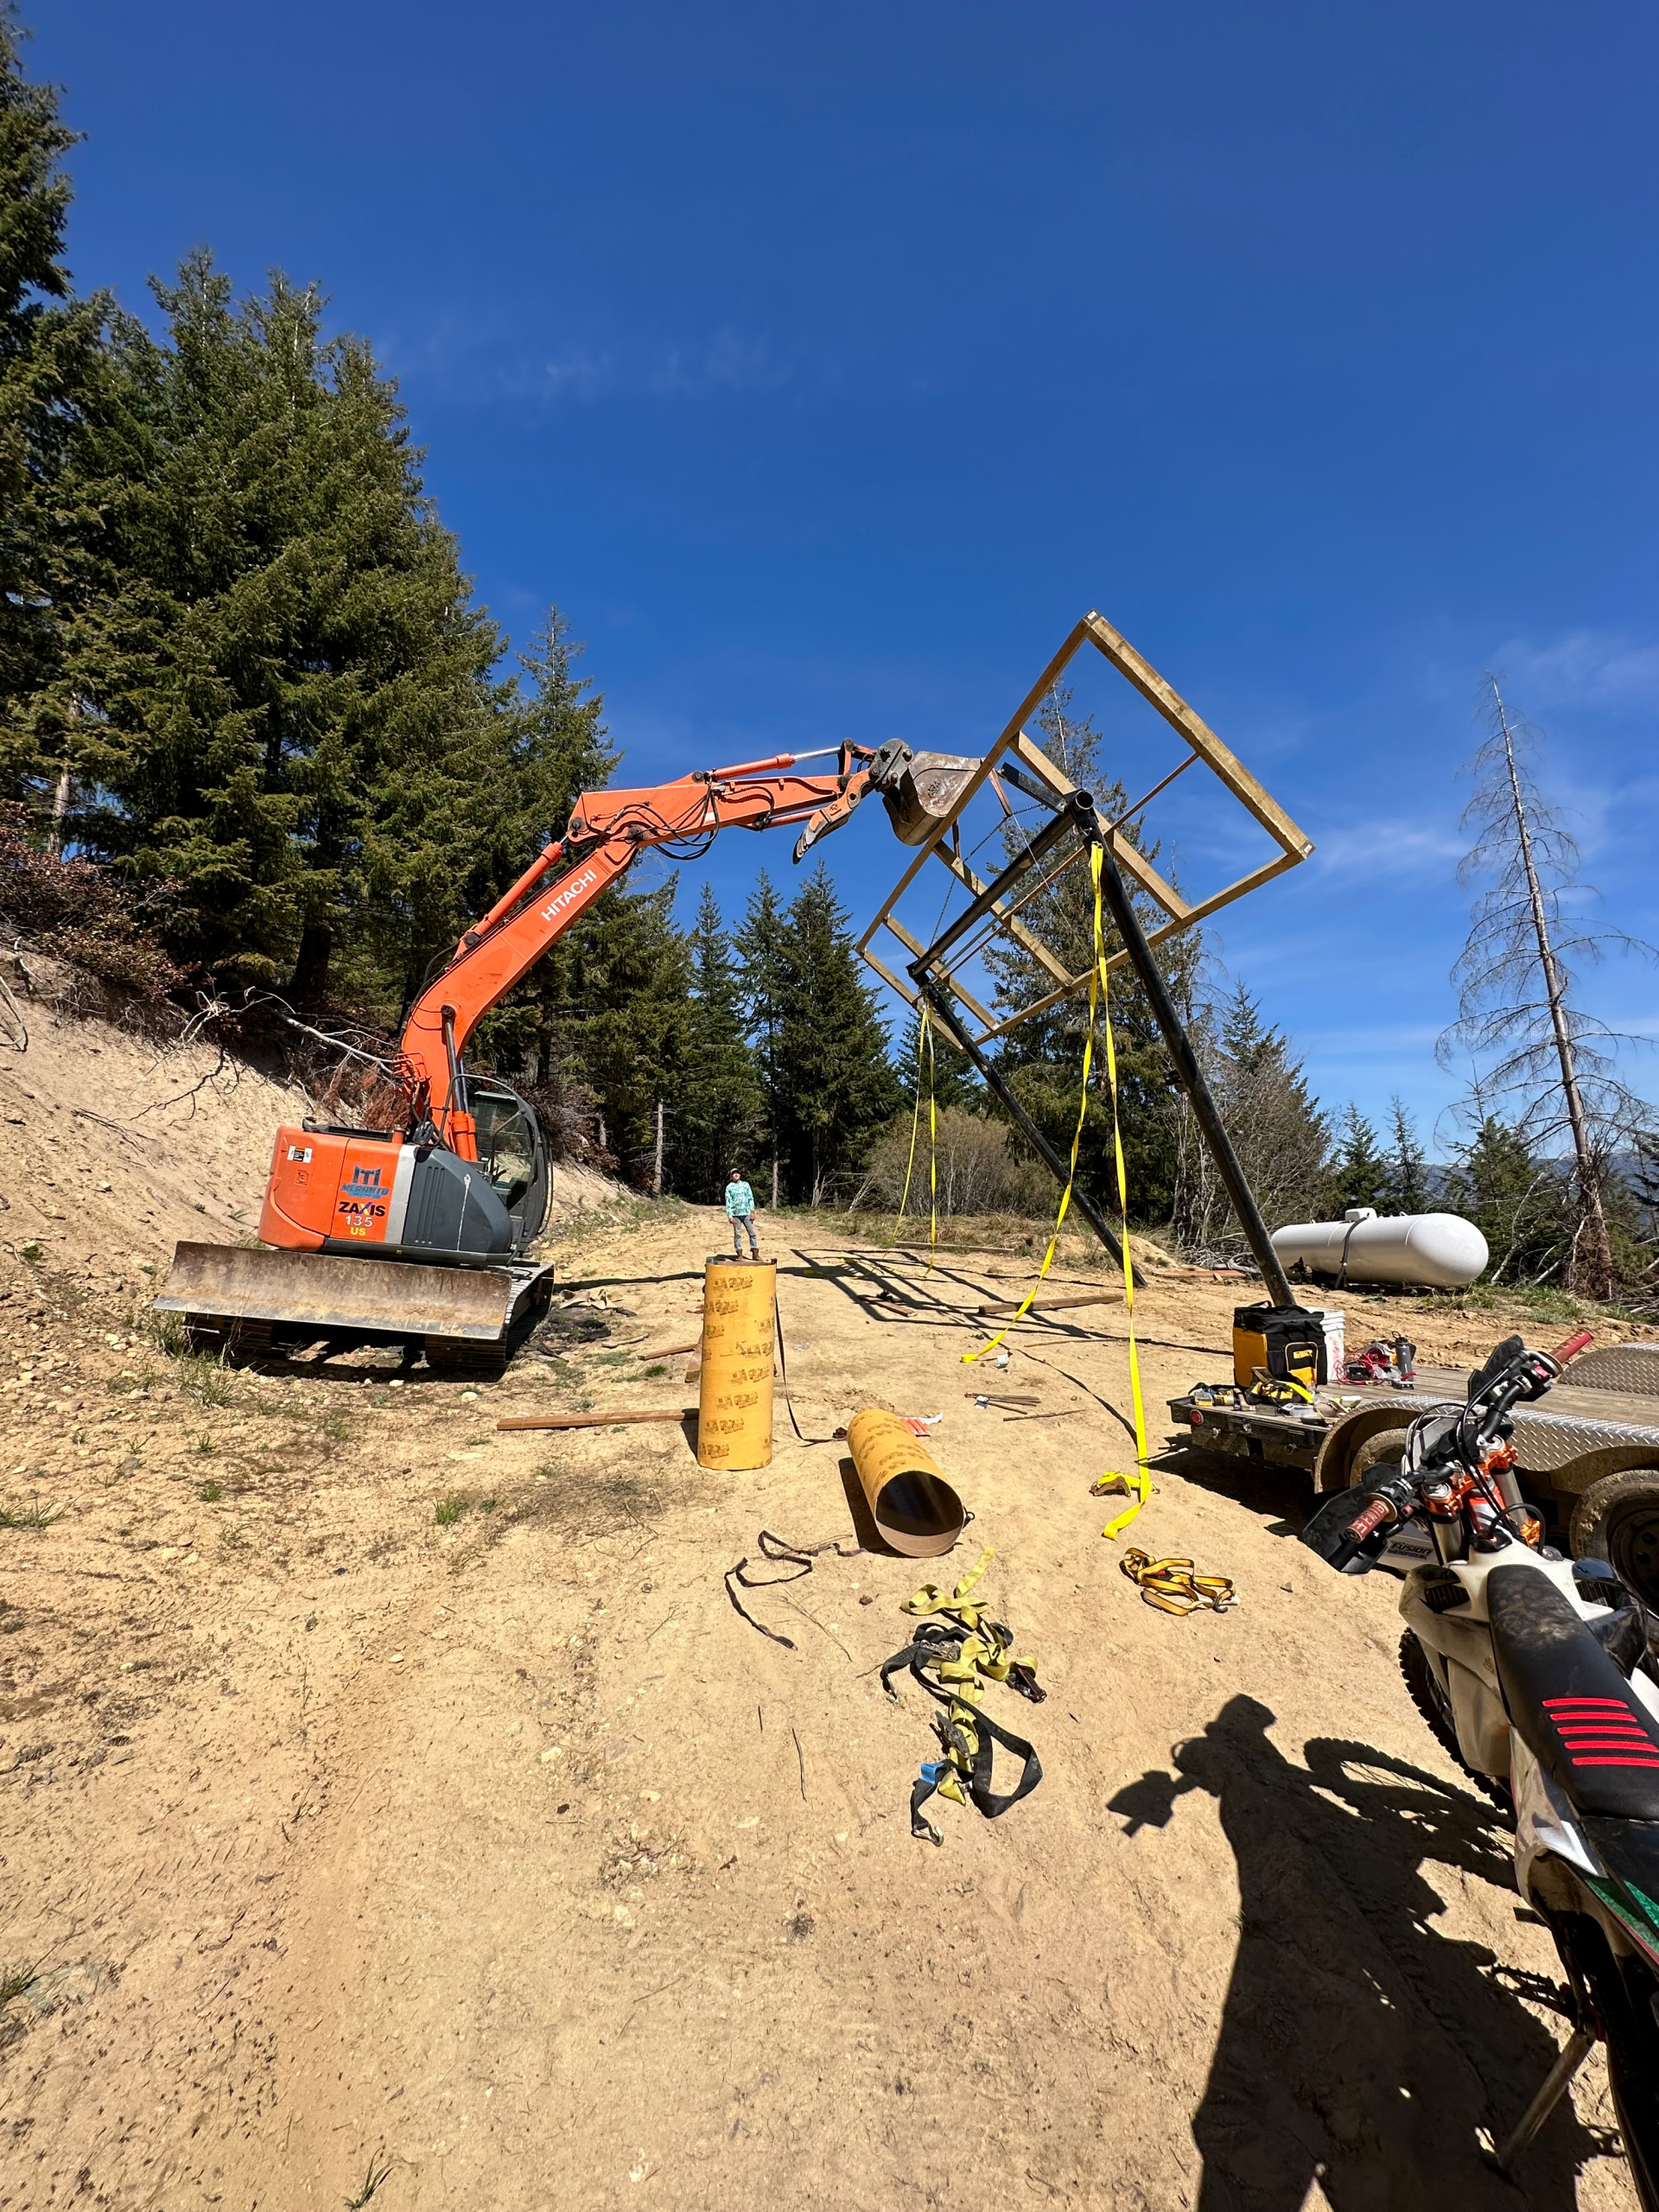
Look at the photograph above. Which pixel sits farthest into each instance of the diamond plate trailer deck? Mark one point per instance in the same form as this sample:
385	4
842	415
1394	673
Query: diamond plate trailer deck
1601	1422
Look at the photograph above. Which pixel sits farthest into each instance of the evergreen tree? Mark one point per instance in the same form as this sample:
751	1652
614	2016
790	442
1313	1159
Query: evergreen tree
1043	1057
1358	1174
721	1106
1521	1204
759	941
1405	1187
295	719
557	751
50	360
628	972
836	1082
954	1081
1278	1131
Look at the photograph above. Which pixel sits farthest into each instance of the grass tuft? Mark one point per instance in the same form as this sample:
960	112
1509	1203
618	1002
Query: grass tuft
380	2167
17	1981
168	1332
210	1493
34	1515
201	1378
448	1511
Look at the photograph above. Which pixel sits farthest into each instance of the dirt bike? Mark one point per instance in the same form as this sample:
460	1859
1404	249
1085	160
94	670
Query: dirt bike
1537	1675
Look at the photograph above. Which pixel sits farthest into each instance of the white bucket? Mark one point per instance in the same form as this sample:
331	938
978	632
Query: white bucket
1335	1341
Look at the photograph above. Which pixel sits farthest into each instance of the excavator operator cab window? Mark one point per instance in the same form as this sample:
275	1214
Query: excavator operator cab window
511	1153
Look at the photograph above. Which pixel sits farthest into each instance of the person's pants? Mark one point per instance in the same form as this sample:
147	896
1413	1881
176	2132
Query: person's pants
740	1222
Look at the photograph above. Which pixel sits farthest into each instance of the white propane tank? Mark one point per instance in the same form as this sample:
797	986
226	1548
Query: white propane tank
1439	1252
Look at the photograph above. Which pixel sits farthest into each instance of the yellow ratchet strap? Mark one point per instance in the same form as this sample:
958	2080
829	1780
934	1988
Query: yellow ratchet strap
1172	1585
1139	1484
923	1046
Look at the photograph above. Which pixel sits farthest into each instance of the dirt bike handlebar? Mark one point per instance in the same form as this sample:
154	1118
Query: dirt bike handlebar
1573	1347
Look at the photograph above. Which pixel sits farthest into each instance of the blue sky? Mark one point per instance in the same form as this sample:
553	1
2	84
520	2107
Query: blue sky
825	365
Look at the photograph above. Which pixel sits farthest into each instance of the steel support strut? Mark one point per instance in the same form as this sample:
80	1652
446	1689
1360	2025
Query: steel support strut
1078	812
1190	1076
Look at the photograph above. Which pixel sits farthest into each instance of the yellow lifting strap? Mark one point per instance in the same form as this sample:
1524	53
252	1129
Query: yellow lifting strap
1137	1485
1171	1584
924	1045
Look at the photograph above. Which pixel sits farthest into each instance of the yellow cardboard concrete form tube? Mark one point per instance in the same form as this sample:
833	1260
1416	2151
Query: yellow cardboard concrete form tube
914	1507
739	1347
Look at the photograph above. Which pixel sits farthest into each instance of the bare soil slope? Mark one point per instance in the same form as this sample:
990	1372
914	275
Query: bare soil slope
377	1787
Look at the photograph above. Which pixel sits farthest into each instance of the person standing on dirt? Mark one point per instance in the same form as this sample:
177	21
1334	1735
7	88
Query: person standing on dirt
739	1211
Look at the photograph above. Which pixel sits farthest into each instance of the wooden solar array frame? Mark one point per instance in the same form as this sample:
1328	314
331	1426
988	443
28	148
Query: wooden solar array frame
1203	746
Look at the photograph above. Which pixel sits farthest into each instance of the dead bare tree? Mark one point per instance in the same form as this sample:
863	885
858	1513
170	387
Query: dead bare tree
1552	1065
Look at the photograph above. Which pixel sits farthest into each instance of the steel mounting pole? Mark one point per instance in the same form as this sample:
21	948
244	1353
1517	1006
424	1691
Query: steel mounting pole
1190	1075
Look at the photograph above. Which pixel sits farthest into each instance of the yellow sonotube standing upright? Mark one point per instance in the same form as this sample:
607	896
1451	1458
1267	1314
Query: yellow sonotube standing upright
738	1345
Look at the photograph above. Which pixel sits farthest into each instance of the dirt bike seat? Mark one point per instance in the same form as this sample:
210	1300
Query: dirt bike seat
1570	1702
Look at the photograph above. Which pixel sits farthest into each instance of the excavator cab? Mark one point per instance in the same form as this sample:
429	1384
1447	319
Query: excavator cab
511	1154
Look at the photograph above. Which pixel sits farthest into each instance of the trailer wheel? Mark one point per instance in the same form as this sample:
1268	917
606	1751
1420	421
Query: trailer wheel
1388	1444
1617	1519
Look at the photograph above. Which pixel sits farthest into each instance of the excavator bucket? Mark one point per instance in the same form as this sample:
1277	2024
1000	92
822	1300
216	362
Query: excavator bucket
233	1298
919	789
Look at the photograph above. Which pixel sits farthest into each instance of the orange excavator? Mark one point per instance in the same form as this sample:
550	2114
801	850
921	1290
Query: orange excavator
418	1234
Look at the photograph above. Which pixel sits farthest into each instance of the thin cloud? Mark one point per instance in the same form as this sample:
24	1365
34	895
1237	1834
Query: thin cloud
1389	846
1584	668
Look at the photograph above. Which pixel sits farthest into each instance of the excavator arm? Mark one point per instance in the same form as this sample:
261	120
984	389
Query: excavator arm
458	1212
606	833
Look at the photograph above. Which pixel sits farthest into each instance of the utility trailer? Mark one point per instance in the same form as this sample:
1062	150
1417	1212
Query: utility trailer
1588	1450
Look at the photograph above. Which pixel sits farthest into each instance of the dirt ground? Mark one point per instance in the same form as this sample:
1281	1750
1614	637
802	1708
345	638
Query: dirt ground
381	1793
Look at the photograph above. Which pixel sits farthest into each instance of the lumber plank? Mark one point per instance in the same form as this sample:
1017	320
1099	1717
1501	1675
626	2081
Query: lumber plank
1054	1305
597	1420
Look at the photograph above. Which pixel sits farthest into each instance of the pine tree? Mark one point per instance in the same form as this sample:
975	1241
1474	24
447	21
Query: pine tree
557	750
1043	1057
1405	1187
50	360
1278	1131
296	720
628	972
1522	1206
835	1081
1552	1065
955	1083
759	942
720	1105
1358	1174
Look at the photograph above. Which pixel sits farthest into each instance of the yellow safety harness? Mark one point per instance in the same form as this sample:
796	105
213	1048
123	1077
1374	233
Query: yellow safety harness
956	1650
1137	1485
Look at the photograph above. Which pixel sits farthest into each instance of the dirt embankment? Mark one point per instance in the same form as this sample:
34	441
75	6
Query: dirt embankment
377	1787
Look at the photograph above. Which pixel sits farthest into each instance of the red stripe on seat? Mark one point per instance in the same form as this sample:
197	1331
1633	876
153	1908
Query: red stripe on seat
1601	1762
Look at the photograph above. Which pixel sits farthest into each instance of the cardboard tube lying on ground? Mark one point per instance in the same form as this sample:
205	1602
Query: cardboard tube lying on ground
914	1507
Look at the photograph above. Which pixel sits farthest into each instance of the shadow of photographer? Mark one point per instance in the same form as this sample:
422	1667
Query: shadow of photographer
1359	2046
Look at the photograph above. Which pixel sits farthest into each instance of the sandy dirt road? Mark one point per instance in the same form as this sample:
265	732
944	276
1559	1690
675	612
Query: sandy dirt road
500	1850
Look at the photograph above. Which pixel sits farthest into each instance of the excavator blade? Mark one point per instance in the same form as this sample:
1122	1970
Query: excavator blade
229	1296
